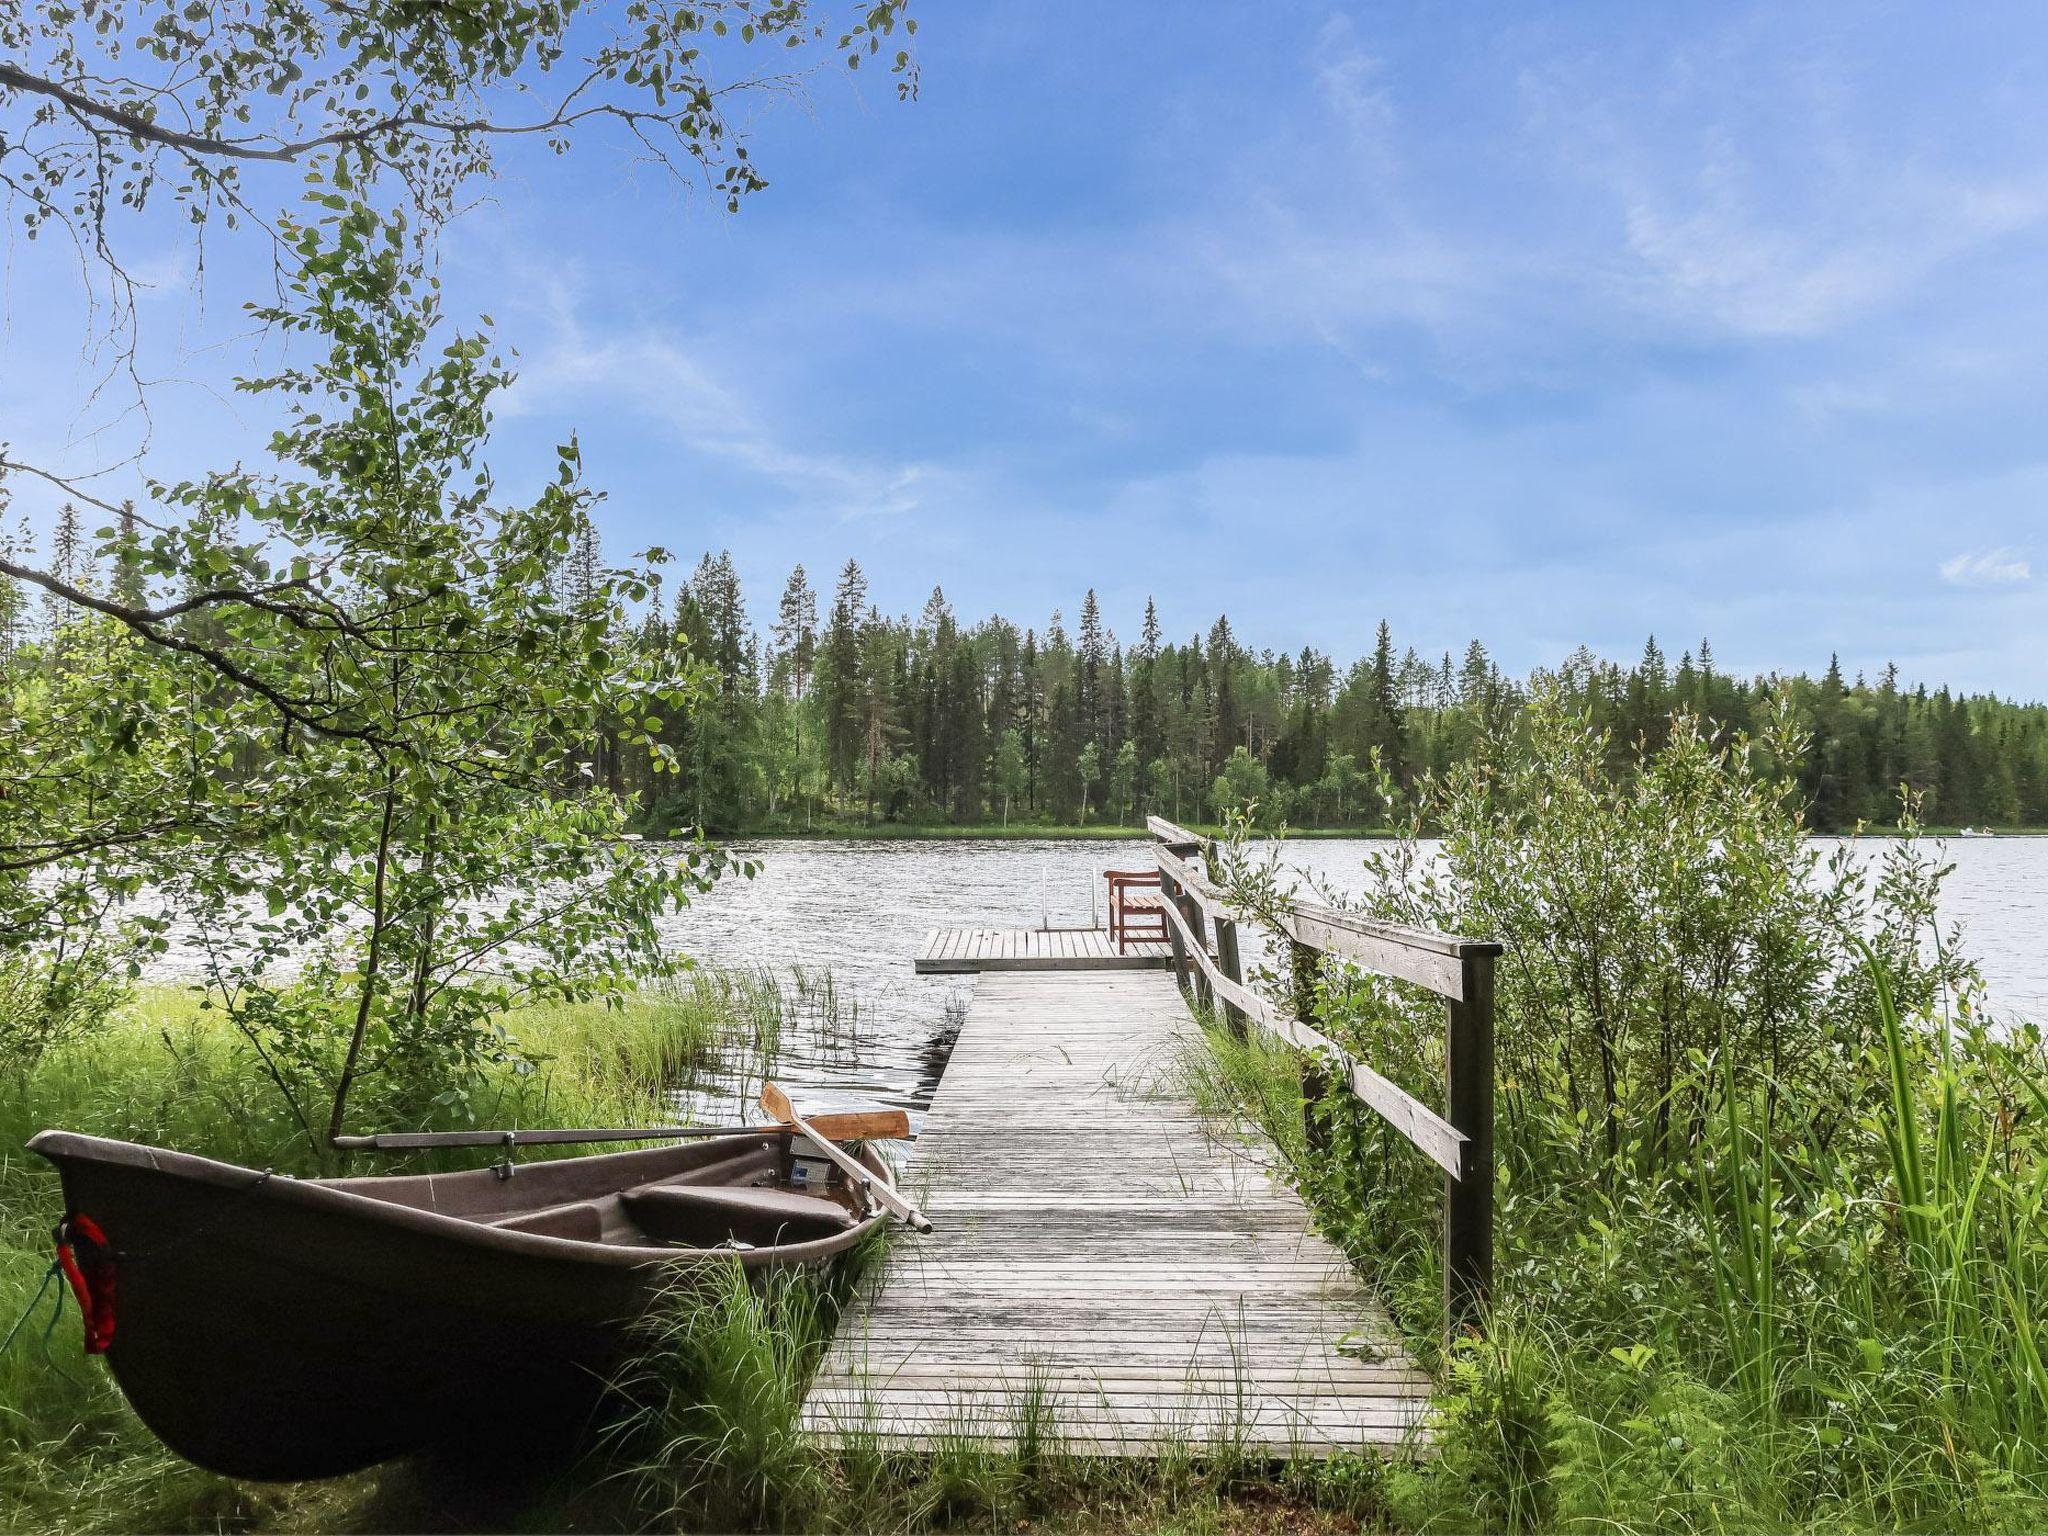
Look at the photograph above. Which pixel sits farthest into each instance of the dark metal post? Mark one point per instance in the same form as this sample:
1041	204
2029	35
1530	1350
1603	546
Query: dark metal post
1468	1199
1305	964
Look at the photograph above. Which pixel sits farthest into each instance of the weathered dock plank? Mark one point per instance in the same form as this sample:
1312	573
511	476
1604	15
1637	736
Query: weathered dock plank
1033	949
1100	1251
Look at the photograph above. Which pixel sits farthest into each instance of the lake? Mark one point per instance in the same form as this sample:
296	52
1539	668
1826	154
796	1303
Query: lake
858	909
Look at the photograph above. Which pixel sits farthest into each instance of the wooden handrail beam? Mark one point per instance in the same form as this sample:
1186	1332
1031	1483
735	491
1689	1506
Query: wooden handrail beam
1425	939
1195	884
1175	836
1435	1137
1459	970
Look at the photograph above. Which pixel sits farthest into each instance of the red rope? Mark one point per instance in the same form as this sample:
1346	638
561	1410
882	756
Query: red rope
91	1277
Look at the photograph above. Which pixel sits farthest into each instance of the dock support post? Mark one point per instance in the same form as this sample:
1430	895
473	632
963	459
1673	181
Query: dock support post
1468	1199
1169	890
1186	968
1233	967
1305	966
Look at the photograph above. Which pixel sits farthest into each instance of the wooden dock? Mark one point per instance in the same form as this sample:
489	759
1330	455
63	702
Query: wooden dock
1102	1253
1034	949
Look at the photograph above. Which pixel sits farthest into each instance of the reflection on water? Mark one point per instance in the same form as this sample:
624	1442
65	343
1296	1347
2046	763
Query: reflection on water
835	925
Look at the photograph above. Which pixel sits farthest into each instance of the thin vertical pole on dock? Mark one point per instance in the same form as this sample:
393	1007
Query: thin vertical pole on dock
1468	1199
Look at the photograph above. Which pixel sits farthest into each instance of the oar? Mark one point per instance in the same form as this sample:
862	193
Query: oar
857	1125
776	1102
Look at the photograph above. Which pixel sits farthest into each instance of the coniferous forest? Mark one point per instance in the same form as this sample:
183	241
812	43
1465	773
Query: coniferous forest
823	713
826	710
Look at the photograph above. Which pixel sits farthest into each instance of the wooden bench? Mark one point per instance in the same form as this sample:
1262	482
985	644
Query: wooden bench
1137	908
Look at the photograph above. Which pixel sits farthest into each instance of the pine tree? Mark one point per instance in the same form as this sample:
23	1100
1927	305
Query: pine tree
793	664
1390	733
796	633
1475	678
1226	719
584	567
1147	727
839	675
14	607
69	563
128	581
1092	658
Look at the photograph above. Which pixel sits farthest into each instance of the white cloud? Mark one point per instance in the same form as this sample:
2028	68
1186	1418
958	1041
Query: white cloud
1754	185
1986	568
1348	76
1710	251
658	376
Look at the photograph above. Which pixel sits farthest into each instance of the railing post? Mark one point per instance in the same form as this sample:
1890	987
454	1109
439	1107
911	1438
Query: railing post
1191	909
1303	969
1169	890
1189	969
1468	1199
1227	960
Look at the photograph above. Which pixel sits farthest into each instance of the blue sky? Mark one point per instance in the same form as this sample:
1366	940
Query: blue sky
1547	325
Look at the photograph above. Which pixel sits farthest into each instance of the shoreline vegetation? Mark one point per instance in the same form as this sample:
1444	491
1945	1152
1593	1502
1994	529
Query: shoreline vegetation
1772	1202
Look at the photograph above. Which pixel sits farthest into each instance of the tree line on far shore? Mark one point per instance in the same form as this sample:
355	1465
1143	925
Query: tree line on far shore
831	712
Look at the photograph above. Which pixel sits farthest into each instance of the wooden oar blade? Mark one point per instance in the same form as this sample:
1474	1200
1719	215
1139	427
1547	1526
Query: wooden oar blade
848	1125
863	1125
776	1102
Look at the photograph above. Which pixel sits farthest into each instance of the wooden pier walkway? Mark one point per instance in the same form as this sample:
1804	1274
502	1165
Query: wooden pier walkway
1034	949
1101	1251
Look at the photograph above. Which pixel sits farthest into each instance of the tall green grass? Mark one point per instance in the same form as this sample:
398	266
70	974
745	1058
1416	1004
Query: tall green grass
1809	1330
161	1069
716	1438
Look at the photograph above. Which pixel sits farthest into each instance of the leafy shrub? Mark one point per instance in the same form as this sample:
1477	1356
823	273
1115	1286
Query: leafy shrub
1772	1200
52	999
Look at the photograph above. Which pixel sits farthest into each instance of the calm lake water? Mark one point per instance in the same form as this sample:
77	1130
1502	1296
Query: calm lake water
857	910
860	908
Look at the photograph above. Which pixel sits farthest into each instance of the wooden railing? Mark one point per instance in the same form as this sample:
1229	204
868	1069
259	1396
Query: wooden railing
1460	971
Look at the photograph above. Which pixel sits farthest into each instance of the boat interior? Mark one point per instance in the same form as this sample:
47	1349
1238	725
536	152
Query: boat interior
732	1192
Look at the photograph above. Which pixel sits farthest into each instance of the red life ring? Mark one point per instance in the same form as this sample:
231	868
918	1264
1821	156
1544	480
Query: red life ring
87	1259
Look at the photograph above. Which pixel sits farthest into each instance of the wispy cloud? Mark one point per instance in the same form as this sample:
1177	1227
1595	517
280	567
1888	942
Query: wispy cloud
1712	253
2000	567
658	375
1747	188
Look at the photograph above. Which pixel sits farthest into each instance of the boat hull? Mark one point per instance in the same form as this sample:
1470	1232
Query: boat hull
279	1329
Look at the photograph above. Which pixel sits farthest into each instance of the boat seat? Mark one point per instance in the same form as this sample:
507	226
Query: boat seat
704	1216
580	1220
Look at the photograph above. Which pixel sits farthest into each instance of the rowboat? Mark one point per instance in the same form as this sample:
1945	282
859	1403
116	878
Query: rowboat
278	1328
